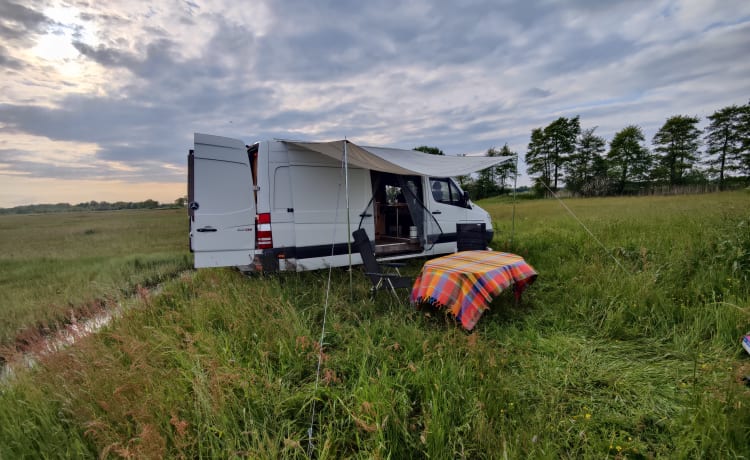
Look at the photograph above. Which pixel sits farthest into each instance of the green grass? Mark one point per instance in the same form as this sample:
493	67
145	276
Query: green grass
597	361
53	266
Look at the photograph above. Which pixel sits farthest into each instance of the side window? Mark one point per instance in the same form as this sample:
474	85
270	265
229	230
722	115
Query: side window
440	190
446	191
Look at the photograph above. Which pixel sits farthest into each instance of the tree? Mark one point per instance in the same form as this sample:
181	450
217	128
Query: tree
561	137
538	160
724	141
485	186
465	181
676	144
629	160
430	150
549	150
586	163
492	181
744	133
505	171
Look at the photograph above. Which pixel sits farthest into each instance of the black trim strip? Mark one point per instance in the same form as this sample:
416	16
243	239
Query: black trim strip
310	252
443	238
324	250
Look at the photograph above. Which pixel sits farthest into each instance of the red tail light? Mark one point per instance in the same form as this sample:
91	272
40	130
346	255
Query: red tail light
263	238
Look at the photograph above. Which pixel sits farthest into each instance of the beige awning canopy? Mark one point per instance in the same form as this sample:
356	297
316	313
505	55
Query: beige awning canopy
400	161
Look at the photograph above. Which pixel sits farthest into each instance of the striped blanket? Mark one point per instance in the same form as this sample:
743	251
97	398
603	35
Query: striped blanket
466	282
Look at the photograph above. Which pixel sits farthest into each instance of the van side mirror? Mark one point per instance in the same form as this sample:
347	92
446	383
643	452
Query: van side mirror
466	197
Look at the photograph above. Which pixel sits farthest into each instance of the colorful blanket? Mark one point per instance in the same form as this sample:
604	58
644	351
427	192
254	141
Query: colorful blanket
466	282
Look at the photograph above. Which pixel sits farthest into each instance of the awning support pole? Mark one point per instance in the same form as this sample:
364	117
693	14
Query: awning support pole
348	220
515	186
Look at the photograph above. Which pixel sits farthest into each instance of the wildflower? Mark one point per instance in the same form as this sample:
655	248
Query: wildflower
588	416
618	448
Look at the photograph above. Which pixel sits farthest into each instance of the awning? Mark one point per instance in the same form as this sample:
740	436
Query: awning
400	161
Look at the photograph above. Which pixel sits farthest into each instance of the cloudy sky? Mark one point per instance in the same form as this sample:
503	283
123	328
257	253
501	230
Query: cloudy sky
99	100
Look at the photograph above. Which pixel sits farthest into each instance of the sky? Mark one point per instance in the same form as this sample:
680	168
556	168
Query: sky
99	100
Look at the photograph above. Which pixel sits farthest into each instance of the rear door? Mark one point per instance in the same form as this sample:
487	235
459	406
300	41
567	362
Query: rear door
222	204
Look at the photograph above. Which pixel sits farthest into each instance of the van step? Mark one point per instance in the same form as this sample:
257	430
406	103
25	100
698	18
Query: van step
397	247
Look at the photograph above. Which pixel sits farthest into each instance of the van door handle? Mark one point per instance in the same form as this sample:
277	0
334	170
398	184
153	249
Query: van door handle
365	215
206	229
437	212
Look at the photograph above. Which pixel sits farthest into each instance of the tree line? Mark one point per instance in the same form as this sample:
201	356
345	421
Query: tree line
90	206
563	154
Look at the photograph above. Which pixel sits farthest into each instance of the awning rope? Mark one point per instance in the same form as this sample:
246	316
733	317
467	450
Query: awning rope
310	431
587	229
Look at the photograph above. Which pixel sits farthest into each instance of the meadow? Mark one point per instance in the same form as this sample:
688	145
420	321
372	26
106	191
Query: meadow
626	347
55	268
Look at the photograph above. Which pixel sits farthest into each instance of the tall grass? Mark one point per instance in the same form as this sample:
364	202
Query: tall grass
54	267
667	267
597	361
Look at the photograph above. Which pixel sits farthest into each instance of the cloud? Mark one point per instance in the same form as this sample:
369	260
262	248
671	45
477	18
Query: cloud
537	93
19	23
136	79
107	57
9	62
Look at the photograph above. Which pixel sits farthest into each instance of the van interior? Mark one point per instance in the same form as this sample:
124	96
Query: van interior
398	209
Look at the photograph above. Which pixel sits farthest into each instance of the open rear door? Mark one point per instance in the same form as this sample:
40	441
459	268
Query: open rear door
222	204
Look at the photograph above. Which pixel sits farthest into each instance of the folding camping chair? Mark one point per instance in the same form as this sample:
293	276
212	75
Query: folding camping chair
373	270
471	237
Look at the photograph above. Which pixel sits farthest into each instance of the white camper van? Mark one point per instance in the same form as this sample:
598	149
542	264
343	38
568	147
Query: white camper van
282	205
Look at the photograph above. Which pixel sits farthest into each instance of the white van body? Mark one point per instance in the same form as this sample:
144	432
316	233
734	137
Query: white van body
282	205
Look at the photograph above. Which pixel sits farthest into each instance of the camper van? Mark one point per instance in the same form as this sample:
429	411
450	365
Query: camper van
284	205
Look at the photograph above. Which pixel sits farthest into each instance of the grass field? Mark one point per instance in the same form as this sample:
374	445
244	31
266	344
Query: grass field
634	358
54	267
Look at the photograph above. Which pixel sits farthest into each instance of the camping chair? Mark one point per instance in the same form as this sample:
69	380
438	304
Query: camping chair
471	237
379	279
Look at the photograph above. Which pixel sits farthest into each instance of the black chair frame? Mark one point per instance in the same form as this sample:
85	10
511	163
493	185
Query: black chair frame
374	269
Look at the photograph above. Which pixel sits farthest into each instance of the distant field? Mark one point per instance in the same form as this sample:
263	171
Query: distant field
637	357
53	266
